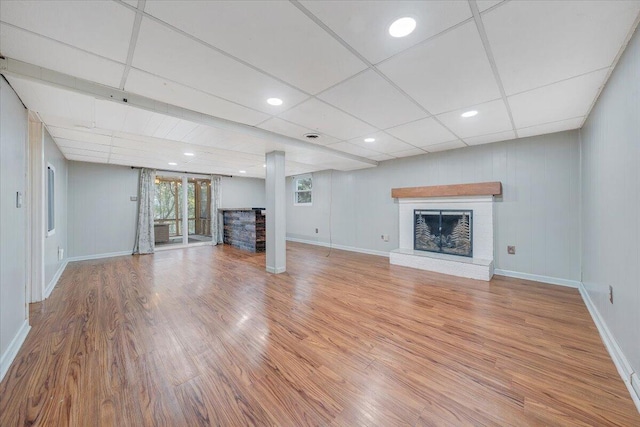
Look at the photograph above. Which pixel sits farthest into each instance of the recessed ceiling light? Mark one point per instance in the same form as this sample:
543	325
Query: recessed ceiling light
189	154
469	114
173	164
369	140
264	166
402	27
243	171
274	101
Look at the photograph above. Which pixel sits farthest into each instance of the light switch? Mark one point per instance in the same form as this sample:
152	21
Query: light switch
133	198
19	199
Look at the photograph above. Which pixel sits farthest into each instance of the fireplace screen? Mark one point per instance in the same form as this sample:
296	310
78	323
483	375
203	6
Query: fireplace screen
444	231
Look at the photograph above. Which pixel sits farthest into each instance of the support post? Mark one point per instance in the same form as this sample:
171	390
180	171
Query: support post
276	213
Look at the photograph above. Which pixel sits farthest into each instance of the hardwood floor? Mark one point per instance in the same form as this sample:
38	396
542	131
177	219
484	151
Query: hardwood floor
204	336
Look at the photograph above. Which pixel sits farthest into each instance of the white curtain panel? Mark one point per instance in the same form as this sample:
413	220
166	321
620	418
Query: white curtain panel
216	226
145	240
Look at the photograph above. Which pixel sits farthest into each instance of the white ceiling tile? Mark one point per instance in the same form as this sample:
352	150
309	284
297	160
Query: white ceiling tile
273	36
486	4
324	118
492	118
24	46
422	133
408	153
563	100
190	63
86	156
494	137
101	27
80	136
365	24
136	120
181	130
383	143
559	126
382	157
110	115
372	99
173	93
293	130
451	145
540	42
357	150
49	100
78	147
445	73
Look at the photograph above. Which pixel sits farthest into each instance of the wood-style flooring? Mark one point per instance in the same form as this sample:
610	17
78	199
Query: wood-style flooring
204	336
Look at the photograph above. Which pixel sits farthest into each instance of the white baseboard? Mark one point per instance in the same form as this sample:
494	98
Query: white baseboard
277	270
54	281
98	256
538	278
341	247
12	350
619	359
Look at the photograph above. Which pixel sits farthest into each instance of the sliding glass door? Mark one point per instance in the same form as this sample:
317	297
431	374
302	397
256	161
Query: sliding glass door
171	204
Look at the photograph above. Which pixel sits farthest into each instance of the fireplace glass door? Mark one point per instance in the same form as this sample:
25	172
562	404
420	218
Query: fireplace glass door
443	231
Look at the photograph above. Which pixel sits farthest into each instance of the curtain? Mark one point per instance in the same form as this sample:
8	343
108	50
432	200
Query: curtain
216	229
145	240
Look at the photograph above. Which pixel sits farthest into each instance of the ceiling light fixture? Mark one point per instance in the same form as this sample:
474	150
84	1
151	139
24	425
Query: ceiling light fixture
173	164
243	171
274	101
369	140
468	114
402	27
264	166
189	154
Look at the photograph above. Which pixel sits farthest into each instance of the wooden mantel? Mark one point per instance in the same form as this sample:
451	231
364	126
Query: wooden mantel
475	189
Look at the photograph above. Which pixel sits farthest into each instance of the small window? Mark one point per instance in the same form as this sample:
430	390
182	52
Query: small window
302	190
51	200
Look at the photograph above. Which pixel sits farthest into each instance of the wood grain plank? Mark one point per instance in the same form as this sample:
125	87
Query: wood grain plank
474	189
204	336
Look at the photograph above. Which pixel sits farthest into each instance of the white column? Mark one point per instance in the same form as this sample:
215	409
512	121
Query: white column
276	213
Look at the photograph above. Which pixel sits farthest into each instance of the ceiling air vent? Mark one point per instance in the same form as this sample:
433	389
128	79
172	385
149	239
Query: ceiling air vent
311	135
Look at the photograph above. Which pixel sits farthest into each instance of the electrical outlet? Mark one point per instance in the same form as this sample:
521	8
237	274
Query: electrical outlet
60	254
611	294
385	237
316	231
511	250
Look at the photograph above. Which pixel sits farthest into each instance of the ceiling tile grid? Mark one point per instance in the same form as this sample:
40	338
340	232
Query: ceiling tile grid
333	64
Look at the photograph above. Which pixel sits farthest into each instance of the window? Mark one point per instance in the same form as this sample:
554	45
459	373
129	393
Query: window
51	200
302	190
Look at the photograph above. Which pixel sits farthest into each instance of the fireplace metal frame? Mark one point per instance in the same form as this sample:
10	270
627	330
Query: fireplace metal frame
470	211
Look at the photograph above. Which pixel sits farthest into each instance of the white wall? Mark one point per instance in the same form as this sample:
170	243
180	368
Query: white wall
242	192
53	156
538	213
611	203
102	218
13	224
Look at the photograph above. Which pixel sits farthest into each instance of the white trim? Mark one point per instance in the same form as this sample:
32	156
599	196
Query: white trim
54	281
538	278
97	256
276	270
14	347
619	359
340	247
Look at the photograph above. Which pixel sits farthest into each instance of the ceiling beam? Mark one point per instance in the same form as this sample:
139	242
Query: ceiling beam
13	67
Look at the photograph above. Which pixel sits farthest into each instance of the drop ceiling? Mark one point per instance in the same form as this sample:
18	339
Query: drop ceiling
527	67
